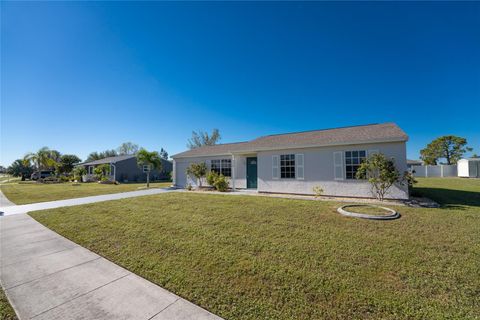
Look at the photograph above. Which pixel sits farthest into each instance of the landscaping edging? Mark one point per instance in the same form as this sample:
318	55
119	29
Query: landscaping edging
393	214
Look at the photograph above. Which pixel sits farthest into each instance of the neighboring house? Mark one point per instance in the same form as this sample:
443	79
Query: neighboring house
297	162
411	163
125	169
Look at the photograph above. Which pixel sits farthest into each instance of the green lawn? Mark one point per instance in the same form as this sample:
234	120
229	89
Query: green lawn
31	192
247	257
6	310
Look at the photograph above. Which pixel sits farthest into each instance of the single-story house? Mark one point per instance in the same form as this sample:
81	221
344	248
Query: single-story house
125	169
297	162
411	163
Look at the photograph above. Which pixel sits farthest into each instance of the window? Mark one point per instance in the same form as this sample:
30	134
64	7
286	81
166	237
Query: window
353	159
215	166
223	166
90	170
227	167
287	166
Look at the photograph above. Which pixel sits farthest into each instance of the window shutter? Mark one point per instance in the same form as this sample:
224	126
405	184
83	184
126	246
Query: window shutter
338	165
275	167
299	162
209	164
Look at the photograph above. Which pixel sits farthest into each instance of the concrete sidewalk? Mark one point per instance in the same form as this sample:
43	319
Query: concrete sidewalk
18	209
46	276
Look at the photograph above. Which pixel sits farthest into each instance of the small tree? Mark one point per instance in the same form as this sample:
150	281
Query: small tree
67	163
380	172
101	171
151	159
79	172
198	170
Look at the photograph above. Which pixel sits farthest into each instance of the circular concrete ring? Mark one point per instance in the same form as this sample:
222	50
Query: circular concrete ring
392	213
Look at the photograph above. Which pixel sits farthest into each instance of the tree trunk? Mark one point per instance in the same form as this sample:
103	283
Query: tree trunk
148	179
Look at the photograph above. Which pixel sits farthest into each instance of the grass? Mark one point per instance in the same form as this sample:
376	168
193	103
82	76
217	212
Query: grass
267	258
7	178
367	209
6	310
31	192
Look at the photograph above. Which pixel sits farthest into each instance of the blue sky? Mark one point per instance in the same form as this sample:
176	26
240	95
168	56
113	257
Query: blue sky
85	76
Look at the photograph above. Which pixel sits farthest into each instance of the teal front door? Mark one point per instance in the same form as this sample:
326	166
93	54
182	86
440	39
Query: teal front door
252	173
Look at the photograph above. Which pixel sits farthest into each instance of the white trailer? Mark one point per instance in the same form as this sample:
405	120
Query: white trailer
469	168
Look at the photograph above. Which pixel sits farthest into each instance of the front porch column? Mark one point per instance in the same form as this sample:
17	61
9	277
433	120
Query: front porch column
233	172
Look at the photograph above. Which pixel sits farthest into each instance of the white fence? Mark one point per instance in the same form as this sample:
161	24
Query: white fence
438	171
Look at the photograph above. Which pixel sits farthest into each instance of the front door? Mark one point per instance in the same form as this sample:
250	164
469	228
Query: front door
252	173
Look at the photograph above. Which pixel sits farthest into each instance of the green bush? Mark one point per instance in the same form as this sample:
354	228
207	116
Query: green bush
79	172
212	176
65	178
221	183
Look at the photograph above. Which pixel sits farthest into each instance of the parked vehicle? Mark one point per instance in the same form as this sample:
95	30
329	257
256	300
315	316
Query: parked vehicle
41	174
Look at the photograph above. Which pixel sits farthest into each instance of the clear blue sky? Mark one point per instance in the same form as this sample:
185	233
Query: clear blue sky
84	76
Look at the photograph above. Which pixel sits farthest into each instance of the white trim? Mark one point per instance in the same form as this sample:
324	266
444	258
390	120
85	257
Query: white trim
232	172
299	165
275	167
174	172
112	172
340	164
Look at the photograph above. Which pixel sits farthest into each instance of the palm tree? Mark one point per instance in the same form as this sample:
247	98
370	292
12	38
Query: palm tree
43	158
150	159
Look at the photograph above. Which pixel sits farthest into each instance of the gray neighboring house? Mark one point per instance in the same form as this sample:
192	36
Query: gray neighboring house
295	163
411	163
125	169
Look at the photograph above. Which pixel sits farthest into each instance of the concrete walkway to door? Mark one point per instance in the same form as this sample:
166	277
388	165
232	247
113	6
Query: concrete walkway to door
8	209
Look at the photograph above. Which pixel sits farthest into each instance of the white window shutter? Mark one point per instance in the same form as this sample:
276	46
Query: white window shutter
338	165
275	167
300	168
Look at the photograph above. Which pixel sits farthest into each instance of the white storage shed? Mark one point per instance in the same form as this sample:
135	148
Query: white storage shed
469	168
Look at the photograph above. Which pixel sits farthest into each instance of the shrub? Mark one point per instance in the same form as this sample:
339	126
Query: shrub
221	183
212	176
101	171
380	172
64	178
317	190
189	187
79	172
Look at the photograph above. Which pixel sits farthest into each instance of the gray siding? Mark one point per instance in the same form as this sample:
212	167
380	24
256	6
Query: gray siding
318	171
128	170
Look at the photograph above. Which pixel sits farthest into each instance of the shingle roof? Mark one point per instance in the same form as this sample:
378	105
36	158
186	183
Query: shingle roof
371	133
109	160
